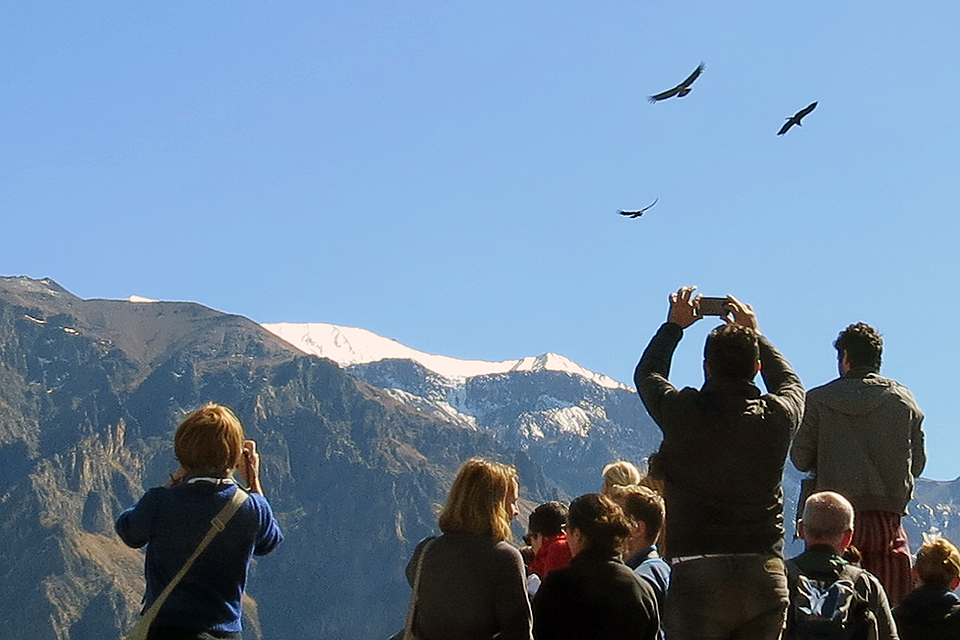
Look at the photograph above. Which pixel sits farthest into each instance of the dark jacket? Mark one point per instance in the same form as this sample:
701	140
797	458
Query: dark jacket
595	596
862	436
822	564
471	588
723	451
929	613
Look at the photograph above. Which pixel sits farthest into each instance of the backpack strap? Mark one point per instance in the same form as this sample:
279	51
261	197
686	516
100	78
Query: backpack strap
217	524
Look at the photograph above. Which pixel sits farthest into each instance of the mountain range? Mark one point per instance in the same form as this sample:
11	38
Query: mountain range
360	438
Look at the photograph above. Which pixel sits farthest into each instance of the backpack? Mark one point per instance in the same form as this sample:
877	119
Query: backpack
823	610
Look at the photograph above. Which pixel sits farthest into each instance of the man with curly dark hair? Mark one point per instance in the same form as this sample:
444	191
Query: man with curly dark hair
862	437
721	464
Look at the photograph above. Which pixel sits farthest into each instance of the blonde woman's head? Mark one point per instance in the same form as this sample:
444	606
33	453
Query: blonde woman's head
620	474
482	500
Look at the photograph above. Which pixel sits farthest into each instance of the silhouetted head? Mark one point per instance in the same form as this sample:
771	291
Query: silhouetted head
862	346
938	563
548	519
596	522
732	351
482	500
209	441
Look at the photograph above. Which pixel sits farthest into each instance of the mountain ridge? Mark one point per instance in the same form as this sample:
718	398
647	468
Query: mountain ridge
353	345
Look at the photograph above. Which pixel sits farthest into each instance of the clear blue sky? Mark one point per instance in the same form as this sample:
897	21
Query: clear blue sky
447	173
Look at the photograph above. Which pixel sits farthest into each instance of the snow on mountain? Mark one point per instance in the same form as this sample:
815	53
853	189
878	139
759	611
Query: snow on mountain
350	345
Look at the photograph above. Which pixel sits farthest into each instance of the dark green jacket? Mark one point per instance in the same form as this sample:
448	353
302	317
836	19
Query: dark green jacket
862	435
723	451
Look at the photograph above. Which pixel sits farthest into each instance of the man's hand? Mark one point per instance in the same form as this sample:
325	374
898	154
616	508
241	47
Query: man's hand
742	314
683	307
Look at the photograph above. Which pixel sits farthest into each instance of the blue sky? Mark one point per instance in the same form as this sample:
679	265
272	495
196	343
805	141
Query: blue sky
447	173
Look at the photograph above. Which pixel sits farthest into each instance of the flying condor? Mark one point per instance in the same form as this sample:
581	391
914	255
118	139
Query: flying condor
681	89
796	118
637	214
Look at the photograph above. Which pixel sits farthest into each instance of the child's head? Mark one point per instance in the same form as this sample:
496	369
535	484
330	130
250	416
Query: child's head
938	563
209	440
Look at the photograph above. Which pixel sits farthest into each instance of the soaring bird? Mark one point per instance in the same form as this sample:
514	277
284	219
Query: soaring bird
637	214
796	118
681	89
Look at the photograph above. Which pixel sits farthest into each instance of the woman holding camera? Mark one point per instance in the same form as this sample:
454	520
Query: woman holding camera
172	520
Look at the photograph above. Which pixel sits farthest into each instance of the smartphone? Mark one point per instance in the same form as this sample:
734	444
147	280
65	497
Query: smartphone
713	306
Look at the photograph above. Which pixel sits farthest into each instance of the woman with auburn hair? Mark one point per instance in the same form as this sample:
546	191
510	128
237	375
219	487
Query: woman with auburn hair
932	611
596	595
471	581
172	520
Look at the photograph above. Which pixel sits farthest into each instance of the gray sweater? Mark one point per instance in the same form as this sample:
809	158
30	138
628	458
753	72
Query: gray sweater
862	436
470	588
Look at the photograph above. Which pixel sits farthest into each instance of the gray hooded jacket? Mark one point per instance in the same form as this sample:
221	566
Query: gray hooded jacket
862	436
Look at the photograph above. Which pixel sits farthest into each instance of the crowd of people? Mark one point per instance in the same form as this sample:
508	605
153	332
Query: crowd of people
694	547
691	549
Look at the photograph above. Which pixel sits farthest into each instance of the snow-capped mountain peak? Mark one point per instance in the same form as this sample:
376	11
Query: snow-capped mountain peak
351	345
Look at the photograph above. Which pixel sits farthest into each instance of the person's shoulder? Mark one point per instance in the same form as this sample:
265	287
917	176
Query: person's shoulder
825	388
860	576
901	390
257	500
506	551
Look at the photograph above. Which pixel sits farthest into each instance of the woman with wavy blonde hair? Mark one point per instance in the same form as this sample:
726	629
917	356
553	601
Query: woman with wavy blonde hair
932	611
471	580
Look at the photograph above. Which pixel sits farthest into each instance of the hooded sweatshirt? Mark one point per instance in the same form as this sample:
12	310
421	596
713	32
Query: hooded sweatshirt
862	437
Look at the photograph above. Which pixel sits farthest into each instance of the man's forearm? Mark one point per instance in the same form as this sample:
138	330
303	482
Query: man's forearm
653	369
780	378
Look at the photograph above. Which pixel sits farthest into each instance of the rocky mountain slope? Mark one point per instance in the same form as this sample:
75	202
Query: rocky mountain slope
91	393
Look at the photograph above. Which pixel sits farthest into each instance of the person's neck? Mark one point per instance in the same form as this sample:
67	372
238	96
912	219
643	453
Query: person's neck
211	474
819	545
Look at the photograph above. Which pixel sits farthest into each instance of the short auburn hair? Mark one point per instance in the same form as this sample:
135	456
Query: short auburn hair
477	503
938	562
209	439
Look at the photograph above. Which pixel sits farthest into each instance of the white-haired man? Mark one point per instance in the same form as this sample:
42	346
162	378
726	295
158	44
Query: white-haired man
828	595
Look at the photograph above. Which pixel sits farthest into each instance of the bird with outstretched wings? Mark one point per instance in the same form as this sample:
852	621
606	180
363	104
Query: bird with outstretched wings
681	89
796	118
637	214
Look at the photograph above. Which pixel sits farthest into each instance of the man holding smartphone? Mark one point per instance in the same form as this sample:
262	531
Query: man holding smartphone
721	460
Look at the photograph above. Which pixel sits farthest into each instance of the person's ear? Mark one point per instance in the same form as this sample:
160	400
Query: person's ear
640	531
847	538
